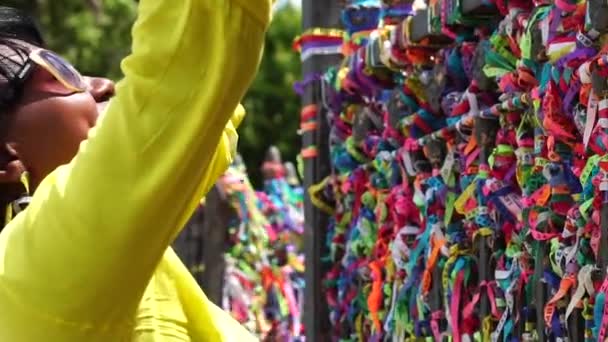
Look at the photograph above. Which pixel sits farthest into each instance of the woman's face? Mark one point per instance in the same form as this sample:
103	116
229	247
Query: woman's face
50	121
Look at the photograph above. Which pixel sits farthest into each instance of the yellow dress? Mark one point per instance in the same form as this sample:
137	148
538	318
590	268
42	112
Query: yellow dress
88	260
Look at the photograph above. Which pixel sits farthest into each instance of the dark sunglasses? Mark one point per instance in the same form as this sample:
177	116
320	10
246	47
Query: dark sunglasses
61	69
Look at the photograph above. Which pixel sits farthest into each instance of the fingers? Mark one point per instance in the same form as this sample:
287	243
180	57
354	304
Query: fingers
12	172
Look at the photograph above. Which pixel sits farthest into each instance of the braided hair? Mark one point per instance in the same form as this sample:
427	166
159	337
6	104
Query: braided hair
18	31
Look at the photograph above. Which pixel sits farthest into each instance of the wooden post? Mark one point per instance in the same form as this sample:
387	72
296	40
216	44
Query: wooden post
603	252
202	244
518	312
317	14
271	163
485	133
576	326
190	245
436	153
540	291
218	214
602	261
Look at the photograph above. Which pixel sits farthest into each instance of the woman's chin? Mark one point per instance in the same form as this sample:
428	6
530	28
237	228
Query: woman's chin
101	108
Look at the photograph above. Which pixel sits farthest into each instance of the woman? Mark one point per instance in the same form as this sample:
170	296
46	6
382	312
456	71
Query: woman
88	260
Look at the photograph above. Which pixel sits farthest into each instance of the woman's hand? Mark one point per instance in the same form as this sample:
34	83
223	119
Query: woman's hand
13	168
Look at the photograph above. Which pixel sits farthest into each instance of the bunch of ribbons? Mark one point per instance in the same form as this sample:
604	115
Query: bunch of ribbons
264	280
469	184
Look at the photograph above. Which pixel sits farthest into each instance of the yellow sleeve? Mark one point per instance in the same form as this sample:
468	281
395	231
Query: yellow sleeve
238	116
84	250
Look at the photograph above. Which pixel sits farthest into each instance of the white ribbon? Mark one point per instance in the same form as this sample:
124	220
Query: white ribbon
407	162
448	166
321	51
585	285
500	275
389	317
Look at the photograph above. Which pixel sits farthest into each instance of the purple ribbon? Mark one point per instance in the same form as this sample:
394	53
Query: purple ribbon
300	86
567	104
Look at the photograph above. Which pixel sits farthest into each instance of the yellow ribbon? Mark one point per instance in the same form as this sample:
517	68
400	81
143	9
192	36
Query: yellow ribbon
460	203
359	327
487	328
483	232
316	201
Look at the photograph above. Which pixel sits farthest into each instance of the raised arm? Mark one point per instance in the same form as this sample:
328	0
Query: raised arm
84	250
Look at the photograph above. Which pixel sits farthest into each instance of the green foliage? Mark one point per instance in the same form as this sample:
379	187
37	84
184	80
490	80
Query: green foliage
272	105
95	35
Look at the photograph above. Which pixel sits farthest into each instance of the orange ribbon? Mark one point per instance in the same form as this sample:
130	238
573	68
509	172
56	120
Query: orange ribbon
430	264
564	287
374	300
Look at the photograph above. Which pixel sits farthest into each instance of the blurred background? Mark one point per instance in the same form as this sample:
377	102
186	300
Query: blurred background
95	35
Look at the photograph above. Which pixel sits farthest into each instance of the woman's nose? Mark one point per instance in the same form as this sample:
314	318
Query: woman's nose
102	89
